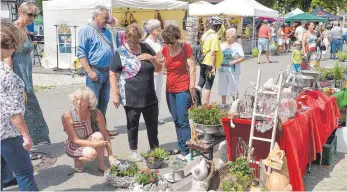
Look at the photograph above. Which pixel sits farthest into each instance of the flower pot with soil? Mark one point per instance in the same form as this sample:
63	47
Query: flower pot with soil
155	159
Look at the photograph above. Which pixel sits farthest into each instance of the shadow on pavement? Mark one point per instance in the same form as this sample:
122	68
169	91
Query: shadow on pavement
319	173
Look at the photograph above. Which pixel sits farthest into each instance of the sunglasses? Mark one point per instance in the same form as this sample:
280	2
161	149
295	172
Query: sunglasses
32	15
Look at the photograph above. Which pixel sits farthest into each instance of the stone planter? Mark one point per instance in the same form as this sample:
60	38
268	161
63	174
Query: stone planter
118	182
154	164
209	131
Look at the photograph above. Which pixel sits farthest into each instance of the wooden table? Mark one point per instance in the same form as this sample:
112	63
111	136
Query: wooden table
204	147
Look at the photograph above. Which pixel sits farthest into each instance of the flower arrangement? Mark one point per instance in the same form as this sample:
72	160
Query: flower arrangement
147	176
207	114
124	170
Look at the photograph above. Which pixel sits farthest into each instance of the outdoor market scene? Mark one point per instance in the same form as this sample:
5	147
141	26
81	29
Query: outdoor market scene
169	95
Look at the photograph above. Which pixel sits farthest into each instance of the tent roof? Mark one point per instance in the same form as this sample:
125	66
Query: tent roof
321	13
292	13
139	4
306	17
150	4
245	8
202	8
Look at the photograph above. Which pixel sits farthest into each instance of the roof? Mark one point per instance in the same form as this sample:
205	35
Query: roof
306	17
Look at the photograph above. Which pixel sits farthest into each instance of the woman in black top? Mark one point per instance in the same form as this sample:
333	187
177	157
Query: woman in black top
132	84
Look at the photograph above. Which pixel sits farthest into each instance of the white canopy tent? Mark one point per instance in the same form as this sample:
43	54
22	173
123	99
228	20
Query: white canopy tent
79	13
202	8
292	13
245	8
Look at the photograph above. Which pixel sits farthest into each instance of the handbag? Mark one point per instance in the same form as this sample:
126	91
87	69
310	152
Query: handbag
197	92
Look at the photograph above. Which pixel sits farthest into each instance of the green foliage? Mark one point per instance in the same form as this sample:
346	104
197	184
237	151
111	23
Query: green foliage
255	52
207	114
177	164
338	71
158	154
147	176
129	172
342	55
241	175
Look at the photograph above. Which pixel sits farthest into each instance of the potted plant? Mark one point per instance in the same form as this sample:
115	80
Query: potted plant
121	174
342	55
208	118
155	158
177	167
149	180
239	175
338	72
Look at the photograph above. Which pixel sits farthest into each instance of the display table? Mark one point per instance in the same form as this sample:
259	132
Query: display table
341	98
302	137
204	147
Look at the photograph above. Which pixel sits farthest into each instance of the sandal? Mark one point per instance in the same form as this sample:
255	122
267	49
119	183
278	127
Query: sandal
112	133
174	152
79	170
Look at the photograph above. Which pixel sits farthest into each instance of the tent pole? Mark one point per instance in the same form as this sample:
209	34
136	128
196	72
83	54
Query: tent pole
253	33
57	41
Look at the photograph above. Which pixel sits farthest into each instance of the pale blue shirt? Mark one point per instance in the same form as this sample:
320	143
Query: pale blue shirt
93	46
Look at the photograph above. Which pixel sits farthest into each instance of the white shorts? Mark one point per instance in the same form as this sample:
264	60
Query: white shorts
280	41
228	81
287	41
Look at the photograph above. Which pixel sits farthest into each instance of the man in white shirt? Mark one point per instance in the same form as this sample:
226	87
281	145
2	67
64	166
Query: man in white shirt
299	31
344	34
336	40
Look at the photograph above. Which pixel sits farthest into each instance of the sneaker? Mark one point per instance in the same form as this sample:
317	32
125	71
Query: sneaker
160	121
223	106
134	156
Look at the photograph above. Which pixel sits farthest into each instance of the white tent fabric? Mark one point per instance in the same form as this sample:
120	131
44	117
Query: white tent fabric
245	8
202	8
150	4
292	13
79	13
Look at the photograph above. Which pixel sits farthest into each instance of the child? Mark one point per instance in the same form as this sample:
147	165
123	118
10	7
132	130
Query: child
296	57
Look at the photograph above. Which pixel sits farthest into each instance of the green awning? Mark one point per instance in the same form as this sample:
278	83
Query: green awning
39	20
306	17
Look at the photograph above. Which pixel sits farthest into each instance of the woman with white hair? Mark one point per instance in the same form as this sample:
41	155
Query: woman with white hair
153	28
86	130
21	63
229	72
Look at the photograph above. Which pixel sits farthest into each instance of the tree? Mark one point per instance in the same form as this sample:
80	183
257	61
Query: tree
331	6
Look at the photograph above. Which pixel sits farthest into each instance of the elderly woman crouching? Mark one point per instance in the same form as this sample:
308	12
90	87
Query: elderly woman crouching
87	134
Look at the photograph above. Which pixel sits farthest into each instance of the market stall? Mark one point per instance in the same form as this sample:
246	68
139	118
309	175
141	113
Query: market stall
293	13
319	11
72	16
306	17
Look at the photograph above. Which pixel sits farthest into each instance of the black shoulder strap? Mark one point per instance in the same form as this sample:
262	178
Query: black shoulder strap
103	36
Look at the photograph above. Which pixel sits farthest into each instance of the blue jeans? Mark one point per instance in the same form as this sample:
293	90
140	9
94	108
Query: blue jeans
336	45
344	39
18	159
178	104
101	89
6	172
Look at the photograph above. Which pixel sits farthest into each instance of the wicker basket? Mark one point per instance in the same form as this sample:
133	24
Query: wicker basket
217	178
119	182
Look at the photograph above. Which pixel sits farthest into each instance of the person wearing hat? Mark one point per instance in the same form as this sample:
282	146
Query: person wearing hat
264	38
213	57
296	57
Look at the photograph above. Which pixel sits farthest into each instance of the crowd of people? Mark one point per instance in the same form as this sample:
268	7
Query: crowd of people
305	38
131	75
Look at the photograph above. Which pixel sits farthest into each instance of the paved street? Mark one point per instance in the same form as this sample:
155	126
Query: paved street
59	176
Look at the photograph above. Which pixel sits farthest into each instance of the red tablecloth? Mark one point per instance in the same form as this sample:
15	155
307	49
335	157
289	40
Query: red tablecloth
302	136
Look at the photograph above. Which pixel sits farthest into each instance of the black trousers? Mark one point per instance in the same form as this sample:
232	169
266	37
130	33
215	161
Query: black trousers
150	115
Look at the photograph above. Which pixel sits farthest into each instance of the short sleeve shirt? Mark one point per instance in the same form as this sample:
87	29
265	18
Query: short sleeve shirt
264	31
210	43
300	31
11	100
176	69
136	80
231	53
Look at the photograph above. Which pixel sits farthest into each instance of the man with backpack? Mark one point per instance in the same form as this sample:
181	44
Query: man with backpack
210	57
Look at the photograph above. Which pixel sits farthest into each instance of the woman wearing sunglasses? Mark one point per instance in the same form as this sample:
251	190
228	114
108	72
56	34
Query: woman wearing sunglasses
180	84
21	63
132	85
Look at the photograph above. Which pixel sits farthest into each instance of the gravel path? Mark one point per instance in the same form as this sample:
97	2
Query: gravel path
56	81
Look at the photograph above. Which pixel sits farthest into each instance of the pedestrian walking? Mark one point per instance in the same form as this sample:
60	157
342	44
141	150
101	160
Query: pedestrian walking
264	36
